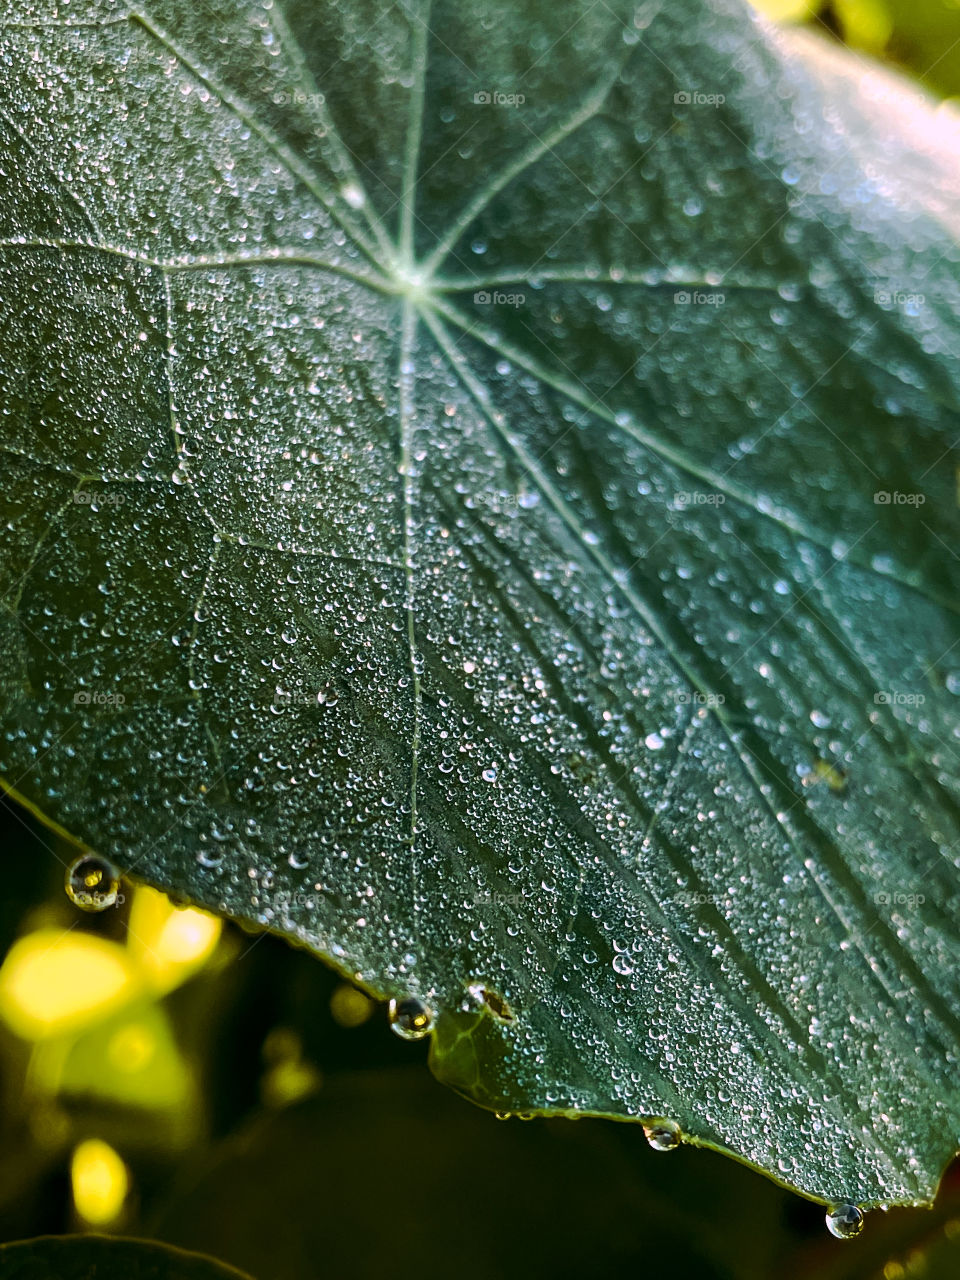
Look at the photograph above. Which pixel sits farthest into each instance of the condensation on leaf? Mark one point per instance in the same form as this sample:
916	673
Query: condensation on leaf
480	506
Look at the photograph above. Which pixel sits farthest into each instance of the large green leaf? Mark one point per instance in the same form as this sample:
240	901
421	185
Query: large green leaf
103	1258
550	657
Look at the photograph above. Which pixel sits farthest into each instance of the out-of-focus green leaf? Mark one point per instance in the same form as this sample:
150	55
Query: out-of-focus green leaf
898	1246
924	39
131	1060
27	880
103	1258
480	503
390	1174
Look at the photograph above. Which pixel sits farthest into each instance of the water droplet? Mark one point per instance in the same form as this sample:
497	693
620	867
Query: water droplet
653	742
353	195
410	1018
664	1135
844	1221
92	883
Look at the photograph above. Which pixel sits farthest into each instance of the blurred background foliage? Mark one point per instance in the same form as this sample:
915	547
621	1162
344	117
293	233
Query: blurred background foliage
920	37
168	1076
165	1075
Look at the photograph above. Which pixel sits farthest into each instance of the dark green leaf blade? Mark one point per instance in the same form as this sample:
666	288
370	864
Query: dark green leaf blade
106	1258
505	545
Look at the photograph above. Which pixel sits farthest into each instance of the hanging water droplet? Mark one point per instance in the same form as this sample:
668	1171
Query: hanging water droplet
664	1135
844	1221
92	883
410	1018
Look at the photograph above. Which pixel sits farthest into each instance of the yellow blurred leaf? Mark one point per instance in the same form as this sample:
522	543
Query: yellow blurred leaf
133	1061
787	10
350	1007
54	981
169	943
866	24
100	1182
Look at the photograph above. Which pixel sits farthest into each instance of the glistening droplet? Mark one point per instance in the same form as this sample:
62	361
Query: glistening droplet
92	883
844	1221
410	1018
664	1135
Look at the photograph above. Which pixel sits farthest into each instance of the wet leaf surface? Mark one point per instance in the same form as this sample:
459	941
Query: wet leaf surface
506	545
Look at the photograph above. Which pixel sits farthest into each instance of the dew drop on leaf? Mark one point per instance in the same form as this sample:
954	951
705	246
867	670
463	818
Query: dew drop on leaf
91	883
664	1135
410	1018
844	1221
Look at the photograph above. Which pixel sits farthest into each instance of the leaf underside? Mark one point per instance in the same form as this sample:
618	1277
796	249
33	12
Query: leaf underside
394	559
106	1258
